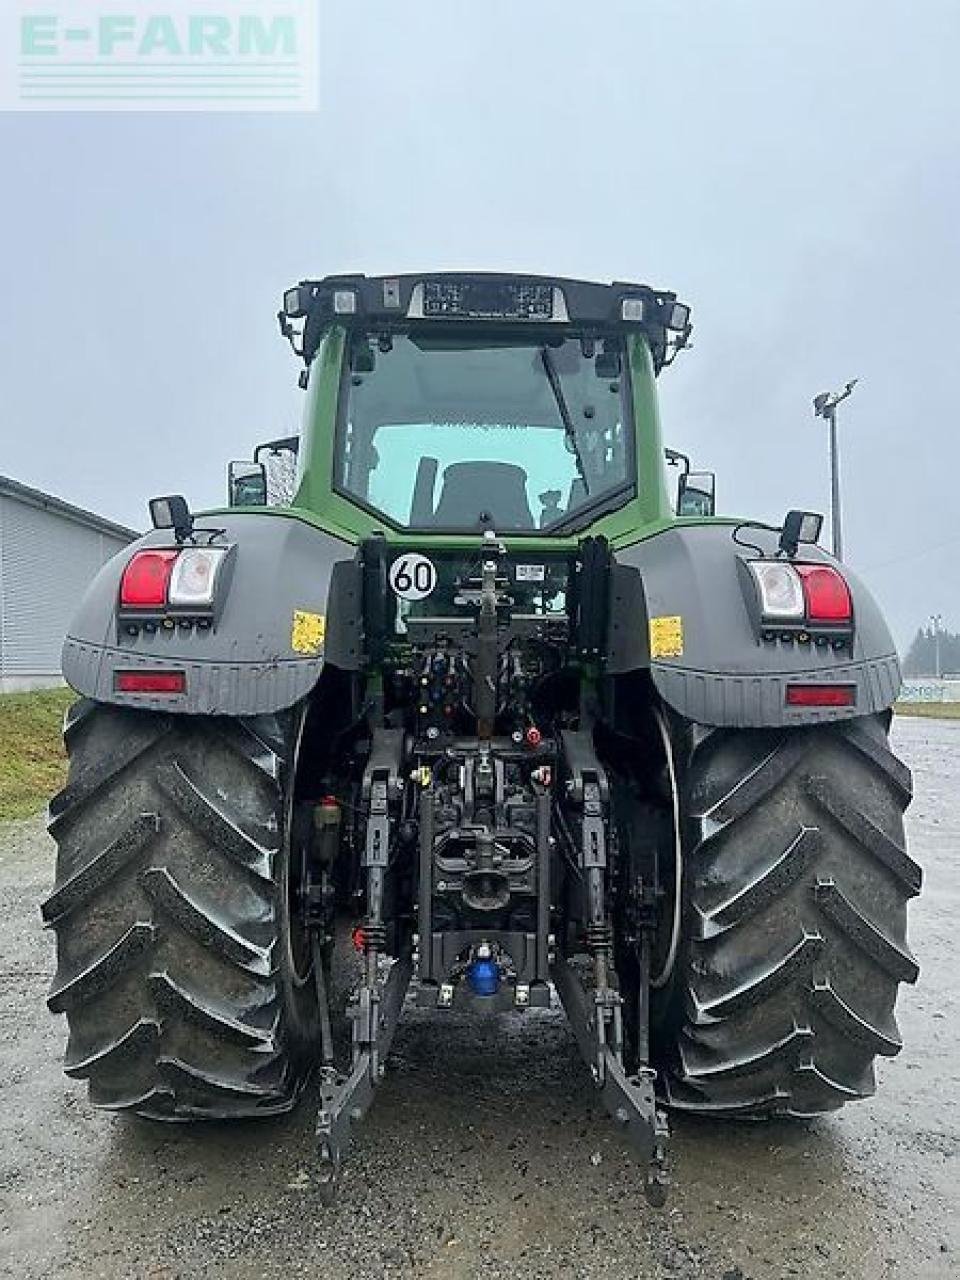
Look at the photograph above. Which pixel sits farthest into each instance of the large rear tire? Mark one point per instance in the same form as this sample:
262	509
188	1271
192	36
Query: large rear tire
796	885
176	963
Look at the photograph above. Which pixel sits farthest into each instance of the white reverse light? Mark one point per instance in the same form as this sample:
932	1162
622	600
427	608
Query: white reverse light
194	577
781	590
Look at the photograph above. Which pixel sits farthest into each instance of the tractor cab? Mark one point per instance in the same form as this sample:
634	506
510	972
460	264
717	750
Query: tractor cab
457	405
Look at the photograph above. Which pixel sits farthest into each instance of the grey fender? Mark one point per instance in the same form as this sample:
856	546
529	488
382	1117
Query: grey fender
250	661
727	674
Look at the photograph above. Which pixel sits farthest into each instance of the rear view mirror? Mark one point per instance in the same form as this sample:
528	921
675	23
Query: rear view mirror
247	484
696	494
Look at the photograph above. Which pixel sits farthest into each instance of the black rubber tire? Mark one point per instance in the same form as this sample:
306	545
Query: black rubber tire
796	885
174	964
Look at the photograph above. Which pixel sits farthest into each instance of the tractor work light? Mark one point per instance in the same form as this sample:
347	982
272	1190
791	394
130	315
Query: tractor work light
345	302
295	303
799	526
193	581
679	317
146	579
173	513
675	315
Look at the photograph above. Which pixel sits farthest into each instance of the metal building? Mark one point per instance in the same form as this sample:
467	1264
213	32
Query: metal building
49	552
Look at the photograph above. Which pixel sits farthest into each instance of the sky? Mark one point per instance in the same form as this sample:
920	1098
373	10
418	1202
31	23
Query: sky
792	170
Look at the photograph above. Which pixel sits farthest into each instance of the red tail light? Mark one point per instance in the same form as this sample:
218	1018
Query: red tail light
821	695
146	579
826	593
150	682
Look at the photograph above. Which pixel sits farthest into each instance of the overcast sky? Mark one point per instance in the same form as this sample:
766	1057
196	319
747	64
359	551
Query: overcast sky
790	169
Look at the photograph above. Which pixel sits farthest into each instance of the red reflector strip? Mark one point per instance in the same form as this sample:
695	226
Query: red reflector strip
821	695
150	681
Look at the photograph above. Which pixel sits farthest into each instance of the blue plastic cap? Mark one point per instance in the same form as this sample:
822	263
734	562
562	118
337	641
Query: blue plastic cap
484	977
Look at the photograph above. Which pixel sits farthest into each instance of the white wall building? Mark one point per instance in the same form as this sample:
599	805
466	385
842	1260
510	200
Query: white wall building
931	689
49	552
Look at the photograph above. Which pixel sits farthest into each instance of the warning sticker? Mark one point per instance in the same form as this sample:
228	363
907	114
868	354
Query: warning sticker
666	637
531	572
308	632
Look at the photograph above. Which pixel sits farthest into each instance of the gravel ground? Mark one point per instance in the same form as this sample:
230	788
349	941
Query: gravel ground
484	1154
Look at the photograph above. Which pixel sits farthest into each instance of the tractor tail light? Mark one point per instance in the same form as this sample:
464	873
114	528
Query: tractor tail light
150	681
821	695
826	593
193	581
780	589
146	579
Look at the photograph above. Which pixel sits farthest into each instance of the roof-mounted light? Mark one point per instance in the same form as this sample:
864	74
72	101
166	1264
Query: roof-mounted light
678	317
674	315
344	302
296	301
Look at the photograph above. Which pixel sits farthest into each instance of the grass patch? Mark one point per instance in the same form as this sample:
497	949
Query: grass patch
929	710
32	760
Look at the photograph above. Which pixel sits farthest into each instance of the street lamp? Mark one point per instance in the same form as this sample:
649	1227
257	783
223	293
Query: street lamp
936	619
825	406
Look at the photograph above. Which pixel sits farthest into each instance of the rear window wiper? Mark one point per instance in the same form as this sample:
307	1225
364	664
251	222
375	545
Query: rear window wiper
569	430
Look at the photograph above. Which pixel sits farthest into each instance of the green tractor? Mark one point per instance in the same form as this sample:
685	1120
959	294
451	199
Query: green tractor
478	697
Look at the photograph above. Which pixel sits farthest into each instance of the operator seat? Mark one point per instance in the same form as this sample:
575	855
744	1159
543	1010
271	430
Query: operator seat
470	488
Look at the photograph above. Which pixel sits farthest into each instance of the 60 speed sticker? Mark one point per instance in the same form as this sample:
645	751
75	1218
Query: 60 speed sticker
413	577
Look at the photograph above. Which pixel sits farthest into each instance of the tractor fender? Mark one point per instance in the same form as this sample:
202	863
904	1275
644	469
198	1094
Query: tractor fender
679	605
270	633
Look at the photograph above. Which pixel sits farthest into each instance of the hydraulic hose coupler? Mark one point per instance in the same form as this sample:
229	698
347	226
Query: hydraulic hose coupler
327	817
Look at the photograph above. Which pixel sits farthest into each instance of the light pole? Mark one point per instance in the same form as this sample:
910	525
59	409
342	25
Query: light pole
825	406
936	619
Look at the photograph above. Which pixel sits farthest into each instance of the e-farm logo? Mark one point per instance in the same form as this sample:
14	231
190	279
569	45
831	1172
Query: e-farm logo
158	55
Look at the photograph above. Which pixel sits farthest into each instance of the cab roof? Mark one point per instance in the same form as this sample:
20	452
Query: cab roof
479	298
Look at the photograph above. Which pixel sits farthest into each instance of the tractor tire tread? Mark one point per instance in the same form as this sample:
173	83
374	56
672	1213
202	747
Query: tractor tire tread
796	885
166	909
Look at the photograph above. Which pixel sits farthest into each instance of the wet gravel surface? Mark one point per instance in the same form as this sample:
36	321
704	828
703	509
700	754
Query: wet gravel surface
484	1155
